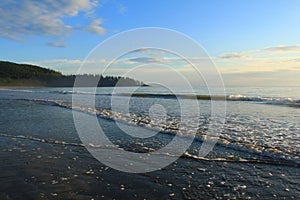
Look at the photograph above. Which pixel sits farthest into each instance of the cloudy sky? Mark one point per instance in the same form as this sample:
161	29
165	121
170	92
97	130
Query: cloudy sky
251	42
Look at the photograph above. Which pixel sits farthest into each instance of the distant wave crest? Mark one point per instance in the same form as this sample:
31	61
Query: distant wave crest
267	100
256	99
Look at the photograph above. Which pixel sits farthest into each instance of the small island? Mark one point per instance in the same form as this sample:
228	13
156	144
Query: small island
25	75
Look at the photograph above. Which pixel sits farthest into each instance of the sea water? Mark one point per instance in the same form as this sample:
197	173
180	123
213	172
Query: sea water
256	153
260	120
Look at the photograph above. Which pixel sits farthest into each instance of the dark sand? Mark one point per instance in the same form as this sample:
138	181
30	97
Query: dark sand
32	169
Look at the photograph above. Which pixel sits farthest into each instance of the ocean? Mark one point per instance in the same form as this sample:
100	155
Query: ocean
254	155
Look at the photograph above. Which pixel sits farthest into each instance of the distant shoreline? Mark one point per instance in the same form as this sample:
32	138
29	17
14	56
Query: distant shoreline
24	75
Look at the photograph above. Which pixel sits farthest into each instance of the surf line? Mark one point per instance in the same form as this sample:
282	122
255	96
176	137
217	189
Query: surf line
186	155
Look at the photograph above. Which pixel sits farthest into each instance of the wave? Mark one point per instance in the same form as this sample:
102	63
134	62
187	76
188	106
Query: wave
27	90
148	95
186	155
70	92
255	99
172	128
280	101
267	100
17	90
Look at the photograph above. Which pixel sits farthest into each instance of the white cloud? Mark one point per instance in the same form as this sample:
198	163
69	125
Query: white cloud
260	60
234	55
42	18
282	49
57	44
95	27
252	67
145	60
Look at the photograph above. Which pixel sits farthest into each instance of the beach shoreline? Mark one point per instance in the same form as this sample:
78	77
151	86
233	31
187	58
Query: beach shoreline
35	169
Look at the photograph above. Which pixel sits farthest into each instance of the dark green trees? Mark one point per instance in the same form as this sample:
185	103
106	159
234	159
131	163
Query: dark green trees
13	74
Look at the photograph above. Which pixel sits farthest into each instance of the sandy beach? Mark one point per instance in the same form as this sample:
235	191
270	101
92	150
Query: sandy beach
50	169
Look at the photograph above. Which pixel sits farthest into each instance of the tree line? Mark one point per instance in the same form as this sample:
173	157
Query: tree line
11	73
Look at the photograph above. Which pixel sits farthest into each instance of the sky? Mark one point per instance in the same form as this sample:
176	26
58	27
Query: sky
251	42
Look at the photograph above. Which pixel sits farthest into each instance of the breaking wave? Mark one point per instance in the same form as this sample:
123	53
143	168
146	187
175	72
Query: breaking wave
238	142
291	102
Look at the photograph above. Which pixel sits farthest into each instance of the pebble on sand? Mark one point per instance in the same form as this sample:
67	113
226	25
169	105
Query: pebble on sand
243	186
172	195
201	169
122	187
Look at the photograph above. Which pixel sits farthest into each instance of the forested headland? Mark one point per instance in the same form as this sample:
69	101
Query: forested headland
22	75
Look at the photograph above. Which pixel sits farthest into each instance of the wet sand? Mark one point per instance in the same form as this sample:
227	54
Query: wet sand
32	169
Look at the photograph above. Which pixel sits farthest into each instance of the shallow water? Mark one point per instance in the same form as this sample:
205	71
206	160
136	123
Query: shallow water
267	123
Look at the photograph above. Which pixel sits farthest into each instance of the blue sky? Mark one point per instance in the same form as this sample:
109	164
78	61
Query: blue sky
257	39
